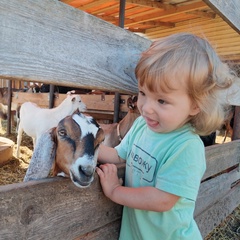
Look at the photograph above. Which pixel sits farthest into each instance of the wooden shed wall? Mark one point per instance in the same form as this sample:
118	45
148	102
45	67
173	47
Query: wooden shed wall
100	106
223	38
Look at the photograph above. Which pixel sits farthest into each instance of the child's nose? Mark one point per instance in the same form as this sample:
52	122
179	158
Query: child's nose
147	107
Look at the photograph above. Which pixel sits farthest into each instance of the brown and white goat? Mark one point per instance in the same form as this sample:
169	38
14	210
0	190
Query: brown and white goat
115	132
3	104
71	148
4	95
35	120
228	124
3	113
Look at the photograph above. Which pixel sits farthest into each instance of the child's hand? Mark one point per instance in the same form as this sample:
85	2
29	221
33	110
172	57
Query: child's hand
108	178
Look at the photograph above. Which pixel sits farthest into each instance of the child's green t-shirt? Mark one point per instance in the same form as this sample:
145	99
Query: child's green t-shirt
172	162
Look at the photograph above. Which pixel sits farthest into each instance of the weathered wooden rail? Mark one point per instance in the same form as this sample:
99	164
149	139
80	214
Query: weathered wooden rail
50	42
219	192
55	209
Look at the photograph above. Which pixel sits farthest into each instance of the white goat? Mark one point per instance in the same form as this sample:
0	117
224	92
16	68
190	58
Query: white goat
71	148
34	120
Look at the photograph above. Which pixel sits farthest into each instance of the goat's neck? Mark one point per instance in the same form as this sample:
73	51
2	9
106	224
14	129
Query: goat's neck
126	123
65	108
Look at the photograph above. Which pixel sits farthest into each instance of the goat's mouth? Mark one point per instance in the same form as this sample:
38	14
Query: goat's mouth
81	182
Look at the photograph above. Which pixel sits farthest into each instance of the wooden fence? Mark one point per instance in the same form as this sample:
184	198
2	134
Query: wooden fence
55	208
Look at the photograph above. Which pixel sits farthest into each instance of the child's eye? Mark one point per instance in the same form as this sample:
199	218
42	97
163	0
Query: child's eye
161	101
141	93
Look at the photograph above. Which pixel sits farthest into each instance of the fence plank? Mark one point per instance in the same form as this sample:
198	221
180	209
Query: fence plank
215	214
228	10
108	232
221	157
93	102
53	207
214	189
56	43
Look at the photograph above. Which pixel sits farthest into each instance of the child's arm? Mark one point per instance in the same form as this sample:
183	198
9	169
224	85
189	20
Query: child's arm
108	155
144	198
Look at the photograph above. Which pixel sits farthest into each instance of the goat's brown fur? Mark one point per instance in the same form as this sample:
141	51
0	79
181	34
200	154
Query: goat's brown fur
112	137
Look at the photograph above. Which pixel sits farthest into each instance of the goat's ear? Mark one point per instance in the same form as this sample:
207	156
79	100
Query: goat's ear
130	103
42	158
100	136
135	98
70	92
73	99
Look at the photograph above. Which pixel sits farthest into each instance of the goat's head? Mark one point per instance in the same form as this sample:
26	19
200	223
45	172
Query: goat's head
71	147
132	103
78	138
76	102
3	111
4	95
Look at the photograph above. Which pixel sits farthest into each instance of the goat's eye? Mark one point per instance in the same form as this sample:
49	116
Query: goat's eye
62	132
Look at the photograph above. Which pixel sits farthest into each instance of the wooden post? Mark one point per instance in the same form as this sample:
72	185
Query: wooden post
117	94
51	96
9	107
236	125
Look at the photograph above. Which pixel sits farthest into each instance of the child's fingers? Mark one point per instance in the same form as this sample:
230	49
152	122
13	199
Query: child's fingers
99	172
121	181
108	167
107	172
104	169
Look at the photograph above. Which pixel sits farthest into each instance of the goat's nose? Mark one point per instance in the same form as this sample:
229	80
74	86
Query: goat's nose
87	170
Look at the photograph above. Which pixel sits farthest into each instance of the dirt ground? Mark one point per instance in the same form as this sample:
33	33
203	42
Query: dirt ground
14	172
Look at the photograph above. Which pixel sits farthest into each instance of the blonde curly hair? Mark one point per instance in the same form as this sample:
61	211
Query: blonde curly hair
192	61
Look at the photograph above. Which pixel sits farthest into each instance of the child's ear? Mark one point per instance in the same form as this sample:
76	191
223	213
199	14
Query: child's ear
195	110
